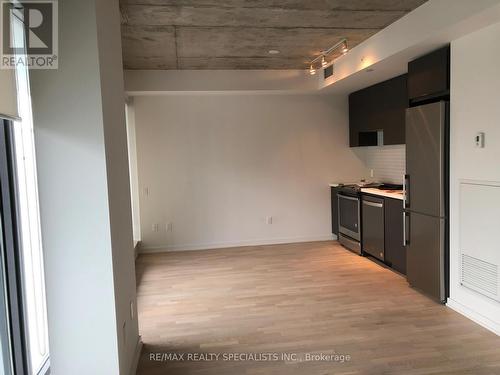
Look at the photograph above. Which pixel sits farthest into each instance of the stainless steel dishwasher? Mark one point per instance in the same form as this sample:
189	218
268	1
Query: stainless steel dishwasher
373	226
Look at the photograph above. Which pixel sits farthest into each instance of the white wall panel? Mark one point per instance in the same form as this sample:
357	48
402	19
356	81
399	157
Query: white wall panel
216	166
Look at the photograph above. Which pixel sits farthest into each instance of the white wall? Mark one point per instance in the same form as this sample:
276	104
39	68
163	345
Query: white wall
84	194
216	166
475	83
157	81
118	179
132	163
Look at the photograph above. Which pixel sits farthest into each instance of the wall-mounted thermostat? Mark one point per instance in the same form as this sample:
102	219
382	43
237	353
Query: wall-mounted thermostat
479	140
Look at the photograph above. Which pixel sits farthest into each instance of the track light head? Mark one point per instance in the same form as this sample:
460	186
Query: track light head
324	63
345	48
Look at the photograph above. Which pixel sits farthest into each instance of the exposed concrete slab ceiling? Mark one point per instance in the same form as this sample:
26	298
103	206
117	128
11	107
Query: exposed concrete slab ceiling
238	34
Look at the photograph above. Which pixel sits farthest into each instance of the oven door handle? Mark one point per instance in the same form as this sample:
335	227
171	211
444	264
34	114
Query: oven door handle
346	197
373	204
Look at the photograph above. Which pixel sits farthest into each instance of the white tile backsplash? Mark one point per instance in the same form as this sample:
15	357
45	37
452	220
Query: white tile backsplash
388	162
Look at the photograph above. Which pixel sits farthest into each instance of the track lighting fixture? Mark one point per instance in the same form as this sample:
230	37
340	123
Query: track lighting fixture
341	46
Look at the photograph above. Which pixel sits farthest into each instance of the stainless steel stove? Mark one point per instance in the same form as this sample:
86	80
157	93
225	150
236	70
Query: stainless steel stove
349	213
349	218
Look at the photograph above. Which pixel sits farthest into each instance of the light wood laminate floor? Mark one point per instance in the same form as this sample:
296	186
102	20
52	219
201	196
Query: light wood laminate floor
299	298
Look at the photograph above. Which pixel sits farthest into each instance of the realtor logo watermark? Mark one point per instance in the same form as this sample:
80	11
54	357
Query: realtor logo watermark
29	34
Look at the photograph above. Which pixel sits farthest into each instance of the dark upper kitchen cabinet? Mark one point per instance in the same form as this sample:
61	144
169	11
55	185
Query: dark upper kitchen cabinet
429	75
335	209
395	252
378	112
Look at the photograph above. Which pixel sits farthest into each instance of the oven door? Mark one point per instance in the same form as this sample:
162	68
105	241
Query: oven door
349	216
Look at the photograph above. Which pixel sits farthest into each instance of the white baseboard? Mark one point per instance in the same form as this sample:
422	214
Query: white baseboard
219	245
474	316
137	356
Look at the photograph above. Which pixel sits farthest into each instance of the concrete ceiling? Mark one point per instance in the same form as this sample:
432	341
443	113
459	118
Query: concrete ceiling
238	34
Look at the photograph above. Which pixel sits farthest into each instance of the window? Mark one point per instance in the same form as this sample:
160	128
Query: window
6	365
30	254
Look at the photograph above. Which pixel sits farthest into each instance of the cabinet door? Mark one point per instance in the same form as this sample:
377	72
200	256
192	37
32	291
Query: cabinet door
395	252
380	107
335	210
429	74
393	103
373	226
358	115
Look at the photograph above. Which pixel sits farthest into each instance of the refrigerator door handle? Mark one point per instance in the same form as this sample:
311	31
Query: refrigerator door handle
406	228
406	191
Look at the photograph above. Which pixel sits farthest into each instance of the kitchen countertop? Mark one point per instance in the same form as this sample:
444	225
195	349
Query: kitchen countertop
396	194
336	184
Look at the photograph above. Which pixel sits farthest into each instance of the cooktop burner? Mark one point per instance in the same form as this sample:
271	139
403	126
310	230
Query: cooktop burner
355	189
352	190
390	187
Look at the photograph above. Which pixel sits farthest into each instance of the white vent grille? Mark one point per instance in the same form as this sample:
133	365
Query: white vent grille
480	275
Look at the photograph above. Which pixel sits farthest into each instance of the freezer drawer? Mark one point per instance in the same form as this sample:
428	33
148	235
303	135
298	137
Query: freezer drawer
373	226
425	258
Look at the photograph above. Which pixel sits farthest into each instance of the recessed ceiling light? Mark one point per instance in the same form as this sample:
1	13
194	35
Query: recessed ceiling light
273	51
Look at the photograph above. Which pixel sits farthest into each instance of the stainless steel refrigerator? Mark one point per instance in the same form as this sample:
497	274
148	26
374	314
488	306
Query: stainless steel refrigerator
426	198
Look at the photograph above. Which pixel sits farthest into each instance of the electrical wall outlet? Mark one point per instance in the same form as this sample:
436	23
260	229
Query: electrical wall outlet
146	191
269	220
479	140
155	227
169	227
371	173
132	310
